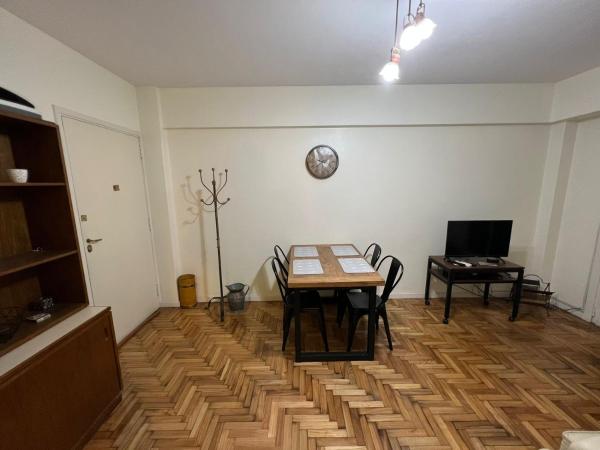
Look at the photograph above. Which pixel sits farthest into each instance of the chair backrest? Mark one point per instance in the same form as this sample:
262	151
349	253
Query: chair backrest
394	275
280	256
280	276
376	253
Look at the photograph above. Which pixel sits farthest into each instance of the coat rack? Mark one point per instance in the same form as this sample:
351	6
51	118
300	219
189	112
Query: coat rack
216	203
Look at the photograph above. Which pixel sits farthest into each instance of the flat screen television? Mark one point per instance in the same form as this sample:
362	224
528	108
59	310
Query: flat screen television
483	238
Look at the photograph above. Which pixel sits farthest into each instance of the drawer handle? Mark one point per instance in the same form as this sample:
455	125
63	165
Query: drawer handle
105	333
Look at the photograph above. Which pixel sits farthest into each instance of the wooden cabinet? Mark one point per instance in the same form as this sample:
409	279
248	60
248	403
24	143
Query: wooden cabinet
57	399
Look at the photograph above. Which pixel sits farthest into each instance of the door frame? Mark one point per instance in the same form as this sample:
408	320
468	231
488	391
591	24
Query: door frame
60	114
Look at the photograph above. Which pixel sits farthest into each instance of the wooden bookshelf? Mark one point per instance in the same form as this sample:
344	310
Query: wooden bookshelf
28	330
23	261
39	249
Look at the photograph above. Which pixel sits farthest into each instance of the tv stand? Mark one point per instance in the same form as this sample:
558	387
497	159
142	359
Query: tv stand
448	272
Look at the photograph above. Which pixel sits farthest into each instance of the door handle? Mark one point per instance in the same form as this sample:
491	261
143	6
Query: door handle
93	241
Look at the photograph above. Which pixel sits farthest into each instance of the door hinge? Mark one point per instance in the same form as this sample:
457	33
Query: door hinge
149	225
157	291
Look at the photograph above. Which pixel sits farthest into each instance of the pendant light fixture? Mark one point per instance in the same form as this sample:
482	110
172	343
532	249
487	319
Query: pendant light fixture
411	36
424	25
414	30
391	71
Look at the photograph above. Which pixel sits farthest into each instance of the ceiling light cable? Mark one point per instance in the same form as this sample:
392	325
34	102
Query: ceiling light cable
391	71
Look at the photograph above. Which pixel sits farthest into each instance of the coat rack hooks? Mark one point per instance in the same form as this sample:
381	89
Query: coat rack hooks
216	203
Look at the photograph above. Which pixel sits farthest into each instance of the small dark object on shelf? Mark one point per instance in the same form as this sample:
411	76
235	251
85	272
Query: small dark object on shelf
38	317
44	304
10	319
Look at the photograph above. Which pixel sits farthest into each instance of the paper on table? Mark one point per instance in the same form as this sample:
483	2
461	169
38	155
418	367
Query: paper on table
355	265
309	250
307	267
343	250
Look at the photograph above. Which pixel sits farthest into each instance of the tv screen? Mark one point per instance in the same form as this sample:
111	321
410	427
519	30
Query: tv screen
485	238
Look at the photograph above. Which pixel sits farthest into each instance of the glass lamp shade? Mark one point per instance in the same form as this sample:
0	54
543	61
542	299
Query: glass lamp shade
390	72
425	27
410	38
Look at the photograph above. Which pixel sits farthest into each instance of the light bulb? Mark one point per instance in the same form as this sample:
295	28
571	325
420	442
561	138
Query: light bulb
390	72
410	38
425	26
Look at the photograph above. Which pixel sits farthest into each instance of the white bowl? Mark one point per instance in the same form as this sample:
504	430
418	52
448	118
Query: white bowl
17	175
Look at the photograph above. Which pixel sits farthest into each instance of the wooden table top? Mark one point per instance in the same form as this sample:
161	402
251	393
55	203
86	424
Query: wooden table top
333	276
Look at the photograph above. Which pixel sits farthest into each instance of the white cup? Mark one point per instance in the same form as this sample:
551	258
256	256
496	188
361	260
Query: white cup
17	175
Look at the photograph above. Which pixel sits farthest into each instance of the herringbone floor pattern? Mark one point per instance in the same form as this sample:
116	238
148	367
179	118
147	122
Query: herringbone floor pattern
479	382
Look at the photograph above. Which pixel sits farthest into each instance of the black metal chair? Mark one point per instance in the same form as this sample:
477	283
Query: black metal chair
339	294
358	302
282	258
375	255
309	300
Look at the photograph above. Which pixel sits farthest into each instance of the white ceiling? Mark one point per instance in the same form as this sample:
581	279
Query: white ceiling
321	42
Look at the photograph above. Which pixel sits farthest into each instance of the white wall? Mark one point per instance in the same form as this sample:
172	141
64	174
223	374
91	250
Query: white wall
396	136
46	72
157	164
356	105
577	96
579	224
395	185
557	168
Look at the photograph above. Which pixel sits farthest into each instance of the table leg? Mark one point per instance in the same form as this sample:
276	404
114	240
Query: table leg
448	299
486	294
297	332
517	296
428	281
371	324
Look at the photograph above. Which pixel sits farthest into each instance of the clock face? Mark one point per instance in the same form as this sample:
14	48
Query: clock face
322	161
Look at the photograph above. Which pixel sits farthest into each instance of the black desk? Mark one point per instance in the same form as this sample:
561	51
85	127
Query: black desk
452	274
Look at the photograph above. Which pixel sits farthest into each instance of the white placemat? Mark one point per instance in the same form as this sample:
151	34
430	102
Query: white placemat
355	265
306	251
343	250
307	267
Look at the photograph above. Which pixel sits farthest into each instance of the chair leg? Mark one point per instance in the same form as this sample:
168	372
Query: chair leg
386	324
322	327
352	324
287	320
341	306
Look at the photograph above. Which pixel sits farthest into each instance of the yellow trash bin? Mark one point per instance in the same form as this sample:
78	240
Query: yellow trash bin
186	287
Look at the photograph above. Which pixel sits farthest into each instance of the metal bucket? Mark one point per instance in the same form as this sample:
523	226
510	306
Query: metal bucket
236	297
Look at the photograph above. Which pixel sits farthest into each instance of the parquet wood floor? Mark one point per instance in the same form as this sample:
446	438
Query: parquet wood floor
479	382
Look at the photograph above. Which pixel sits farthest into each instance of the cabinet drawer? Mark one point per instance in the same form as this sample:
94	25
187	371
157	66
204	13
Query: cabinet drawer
57	399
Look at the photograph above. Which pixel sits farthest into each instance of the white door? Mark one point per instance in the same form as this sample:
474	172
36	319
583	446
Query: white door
108	181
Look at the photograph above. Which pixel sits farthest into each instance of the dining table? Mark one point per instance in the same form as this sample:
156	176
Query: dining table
337	267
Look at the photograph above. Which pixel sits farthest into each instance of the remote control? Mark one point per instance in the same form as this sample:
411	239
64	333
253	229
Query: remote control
462	263
37	318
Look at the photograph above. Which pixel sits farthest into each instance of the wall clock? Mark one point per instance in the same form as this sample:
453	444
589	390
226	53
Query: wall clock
322	161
